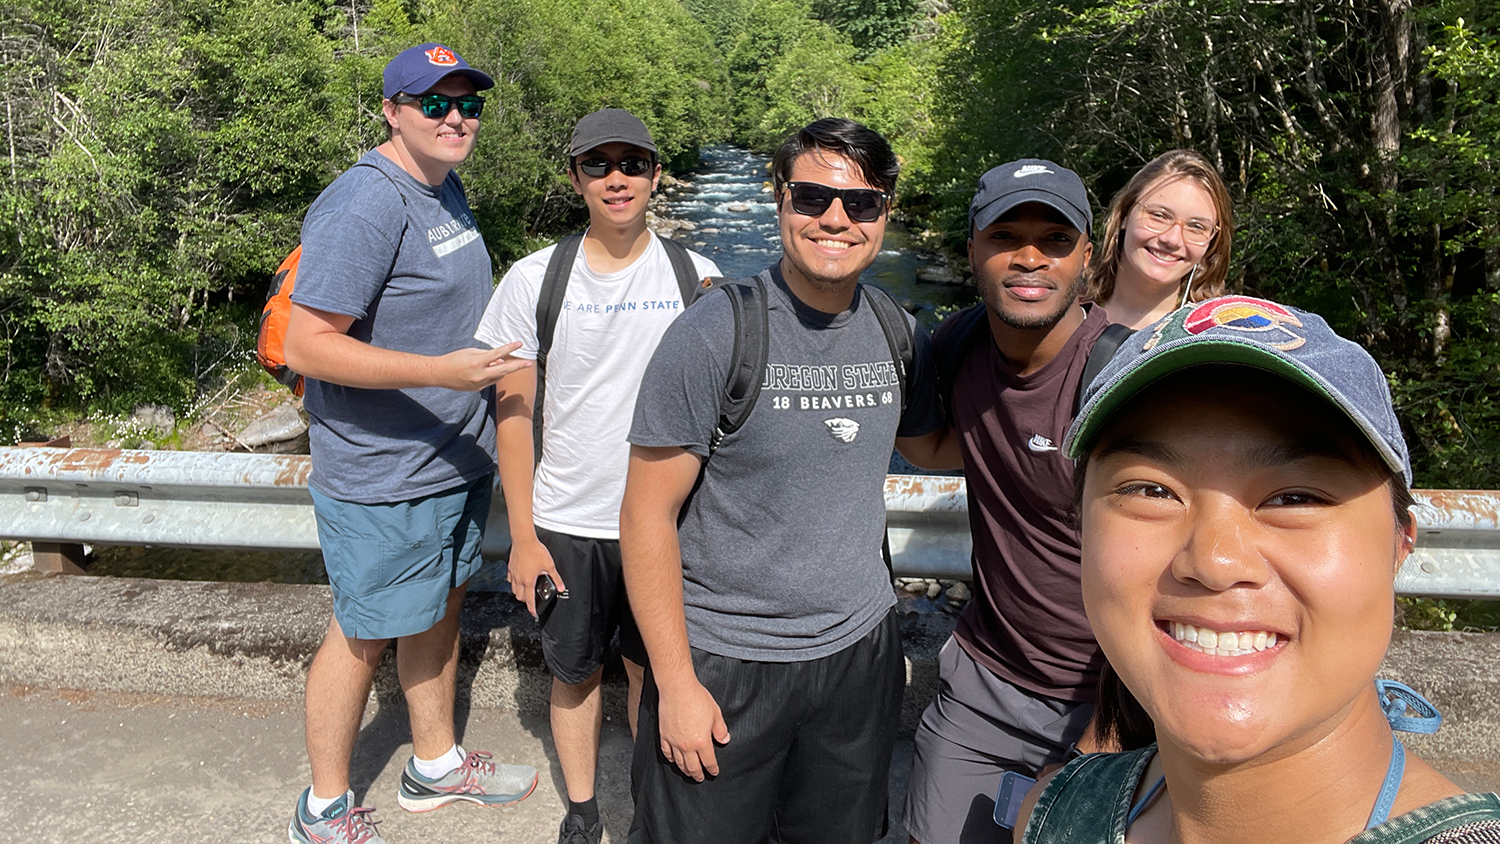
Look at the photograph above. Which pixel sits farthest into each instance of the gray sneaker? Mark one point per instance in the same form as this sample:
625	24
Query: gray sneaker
477	780
341	823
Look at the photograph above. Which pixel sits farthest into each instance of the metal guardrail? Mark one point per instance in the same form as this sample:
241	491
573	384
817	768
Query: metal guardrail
223	500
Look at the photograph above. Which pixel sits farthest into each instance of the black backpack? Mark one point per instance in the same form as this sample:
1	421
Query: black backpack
747	365
972	324
549	307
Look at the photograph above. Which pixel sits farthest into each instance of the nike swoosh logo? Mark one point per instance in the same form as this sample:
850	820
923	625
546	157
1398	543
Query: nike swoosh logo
1040	443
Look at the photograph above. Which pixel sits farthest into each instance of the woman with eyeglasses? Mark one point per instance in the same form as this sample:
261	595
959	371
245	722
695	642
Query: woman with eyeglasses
1244	505
1166	240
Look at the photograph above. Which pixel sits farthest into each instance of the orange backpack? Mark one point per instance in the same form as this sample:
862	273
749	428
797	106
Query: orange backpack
270	342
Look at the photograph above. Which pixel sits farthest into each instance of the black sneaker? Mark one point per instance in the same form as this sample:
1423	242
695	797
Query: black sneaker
574	832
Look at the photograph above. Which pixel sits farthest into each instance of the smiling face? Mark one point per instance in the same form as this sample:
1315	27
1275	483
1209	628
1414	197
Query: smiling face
1029	266
1239	553
1164	259
434	147
615	199
829	251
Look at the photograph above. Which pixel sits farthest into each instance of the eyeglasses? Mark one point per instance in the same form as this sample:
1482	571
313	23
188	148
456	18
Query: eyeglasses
1157	220
437	106
863	205
600	167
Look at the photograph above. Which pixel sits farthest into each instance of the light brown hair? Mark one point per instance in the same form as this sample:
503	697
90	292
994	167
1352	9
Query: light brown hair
1213	269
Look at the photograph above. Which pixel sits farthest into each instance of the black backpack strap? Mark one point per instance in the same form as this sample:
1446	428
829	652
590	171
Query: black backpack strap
747	363
548	307
898	334
969	327
1099	357
682	267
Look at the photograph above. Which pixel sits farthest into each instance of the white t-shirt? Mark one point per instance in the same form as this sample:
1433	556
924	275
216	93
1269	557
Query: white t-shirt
607	330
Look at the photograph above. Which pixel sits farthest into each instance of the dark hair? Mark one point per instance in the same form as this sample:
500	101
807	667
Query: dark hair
1174	164
868	149
1120	722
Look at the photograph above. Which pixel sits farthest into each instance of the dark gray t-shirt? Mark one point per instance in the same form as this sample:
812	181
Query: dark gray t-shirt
415	276
781	542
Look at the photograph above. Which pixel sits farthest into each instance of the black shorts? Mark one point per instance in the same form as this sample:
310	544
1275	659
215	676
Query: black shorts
808	758
577	633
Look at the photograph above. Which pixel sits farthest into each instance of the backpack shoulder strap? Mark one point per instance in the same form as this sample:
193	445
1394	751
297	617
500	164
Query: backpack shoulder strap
388	178
969	326
747	362
1099	357
548	307
682	267
898	334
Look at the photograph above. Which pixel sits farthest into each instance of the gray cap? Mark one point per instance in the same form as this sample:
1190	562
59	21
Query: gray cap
1294	344
608	126
1030	180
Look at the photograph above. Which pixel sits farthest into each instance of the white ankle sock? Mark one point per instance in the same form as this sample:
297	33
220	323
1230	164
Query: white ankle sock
434	768
316	805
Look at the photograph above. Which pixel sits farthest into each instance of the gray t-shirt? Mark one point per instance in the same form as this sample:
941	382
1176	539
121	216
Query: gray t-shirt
781	556
405	259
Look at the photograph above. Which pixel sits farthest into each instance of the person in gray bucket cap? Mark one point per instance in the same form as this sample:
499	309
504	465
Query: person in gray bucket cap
1245	508
1019	673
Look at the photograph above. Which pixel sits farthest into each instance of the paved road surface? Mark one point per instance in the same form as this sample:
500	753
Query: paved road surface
140	768
125	768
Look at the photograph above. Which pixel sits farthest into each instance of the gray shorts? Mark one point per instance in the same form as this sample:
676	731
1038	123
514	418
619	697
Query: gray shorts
978	727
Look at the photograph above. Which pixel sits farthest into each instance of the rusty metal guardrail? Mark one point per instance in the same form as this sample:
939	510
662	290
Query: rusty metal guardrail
260	501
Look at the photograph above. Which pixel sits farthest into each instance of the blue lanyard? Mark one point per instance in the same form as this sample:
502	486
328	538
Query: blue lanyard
1395	699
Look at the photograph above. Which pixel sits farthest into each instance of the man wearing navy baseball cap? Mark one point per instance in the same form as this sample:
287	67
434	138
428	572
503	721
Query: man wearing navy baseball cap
1019	673
392	281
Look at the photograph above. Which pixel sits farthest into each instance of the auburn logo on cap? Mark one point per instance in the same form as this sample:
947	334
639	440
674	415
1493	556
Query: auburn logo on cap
442	57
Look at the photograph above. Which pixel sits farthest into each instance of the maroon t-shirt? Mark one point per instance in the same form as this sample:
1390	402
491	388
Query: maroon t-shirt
1026	621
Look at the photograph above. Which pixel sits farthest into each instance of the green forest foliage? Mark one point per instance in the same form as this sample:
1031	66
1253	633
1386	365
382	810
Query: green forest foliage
160	153
1359	139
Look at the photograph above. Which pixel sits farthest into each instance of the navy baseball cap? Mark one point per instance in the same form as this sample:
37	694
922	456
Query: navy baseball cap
1030	180
608	126
1284	341
416	69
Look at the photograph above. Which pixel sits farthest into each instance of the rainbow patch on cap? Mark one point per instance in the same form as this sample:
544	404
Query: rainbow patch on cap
442	57
1274	323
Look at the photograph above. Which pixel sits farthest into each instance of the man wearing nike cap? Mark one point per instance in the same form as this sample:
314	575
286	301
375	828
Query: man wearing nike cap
1018	676
392	281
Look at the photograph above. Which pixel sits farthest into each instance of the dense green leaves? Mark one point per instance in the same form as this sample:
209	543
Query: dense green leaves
1357	139
160	155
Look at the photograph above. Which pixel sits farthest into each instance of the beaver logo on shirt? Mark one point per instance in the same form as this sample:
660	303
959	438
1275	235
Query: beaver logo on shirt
841	429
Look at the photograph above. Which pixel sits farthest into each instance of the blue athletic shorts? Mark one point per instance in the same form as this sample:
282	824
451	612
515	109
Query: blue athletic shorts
391	565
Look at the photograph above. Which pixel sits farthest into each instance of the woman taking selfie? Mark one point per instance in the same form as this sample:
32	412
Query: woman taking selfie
1244	495
1165	241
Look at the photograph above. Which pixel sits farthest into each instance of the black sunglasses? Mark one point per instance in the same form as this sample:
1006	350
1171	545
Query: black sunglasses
600	167
863	205
437	106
